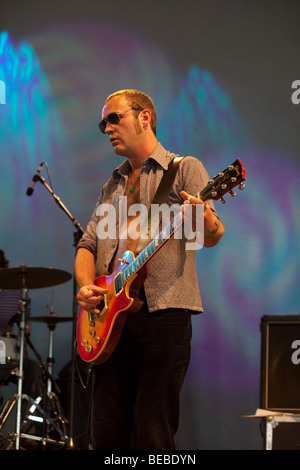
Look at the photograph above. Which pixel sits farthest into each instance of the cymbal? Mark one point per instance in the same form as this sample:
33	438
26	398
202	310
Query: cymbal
51	320
31	278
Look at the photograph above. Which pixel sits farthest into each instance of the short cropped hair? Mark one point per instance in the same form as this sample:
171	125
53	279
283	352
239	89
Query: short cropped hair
138	101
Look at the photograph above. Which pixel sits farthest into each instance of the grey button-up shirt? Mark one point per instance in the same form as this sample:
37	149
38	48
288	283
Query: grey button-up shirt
172	275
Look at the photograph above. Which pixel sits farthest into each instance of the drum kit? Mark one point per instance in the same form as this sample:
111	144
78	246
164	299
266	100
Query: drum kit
46	408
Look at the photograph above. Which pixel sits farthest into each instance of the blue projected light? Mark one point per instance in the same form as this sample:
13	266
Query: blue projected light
202	120
2	92
30	130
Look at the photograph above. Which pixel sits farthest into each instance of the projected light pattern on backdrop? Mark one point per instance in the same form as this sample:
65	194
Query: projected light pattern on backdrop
203	120
255	269
31	132
29	135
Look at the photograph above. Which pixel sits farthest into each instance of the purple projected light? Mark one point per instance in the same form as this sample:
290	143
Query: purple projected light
255	270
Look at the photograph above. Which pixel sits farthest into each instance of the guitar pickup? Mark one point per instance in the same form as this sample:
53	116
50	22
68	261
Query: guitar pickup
100	305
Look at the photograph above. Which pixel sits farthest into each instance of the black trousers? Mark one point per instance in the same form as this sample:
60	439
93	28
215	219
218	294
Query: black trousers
136	392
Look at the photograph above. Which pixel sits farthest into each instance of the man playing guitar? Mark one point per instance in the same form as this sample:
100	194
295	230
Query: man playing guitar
136	389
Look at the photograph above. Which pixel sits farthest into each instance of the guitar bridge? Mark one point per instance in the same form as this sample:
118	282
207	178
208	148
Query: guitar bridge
91	319
103	307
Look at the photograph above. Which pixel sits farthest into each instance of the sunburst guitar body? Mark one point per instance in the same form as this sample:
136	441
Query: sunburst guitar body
98	335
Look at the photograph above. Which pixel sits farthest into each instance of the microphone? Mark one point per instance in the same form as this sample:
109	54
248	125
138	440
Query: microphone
34	180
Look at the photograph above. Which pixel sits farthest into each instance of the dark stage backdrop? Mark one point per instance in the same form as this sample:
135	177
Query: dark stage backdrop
225	78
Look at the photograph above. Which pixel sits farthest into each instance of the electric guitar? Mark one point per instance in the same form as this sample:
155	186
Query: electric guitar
98	334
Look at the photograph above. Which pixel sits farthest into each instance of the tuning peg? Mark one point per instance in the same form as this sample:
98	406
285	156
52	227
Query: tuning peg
232	193
242	186
222	200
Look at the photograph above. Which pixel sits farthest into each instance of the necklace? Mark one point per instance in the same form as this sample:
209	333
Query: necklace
131	187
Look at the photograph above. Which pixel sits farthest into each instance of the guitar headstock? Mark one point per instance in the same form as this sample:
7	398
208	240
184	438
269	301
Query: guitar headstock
224	182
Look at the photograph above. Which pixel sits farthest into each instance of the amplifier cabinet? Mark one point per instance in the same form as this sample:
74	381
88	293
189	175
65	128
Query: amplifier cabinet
280	363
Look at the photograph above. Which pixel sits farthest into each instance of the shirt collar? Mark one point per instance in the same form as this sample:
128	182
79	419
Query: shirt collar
121	170
159	154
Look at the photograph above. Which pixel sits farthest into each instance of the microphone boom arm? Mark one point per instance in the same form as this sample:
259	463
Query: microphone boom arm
60	204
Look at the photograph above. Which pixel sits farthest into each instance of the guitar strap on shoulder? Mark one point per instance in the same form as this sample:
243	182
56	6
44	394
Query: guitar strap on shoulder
161	196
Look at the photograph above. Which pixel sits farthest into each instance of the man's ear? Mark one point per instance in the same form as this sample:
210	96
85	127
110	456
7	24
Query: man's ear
145	117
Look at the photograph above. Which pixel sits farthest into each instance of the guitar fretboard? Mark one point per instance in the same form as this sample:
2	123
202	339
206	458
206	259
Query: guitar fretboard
144	256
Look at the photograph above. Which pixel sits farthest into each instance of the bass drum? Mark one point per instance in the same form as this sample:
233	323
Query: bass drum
9	354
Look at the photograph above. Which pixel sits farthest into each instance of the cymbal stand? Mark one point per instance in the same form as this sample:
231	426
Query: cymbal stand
35	404
20	371
52	397
45	405
21	363
50	401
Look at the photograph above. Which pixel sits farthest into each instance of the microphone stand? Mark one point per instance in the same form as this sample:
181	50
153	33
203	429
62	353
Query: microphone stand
77	235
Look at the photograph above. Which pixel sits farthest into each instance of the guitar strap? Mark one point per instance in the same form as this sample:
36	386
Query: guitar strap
161	196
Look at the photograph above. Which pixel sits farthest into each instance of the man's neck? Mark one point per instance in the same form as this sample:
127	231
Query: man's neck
143	154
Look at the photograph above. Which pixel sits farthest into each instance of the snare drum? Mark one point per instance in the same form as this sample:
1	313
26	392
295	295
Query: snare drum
9	353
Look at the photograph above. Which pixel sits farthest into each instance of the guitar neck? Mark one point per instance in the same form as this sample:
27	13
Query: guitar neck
144	256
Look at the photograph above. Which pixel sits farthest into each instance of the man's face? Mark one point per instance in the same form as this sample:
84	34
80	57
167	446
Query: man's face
124	135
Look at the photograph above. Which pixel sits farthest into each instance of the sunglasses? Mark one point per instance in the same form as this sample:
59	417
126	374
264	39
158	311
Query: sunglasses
112	118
